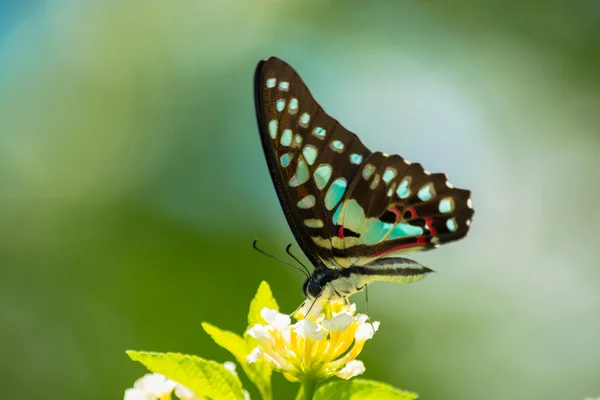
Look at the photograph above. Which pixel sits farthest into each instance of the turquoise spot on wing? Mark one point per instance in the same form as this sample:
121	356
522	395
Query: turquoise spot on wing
280	105
390	191
404	230
304	119
286	159
286	137
446	205
375	231
451	225
355	158
284	85
301	175
425	192
298	139
273	125
335	193
338	146
307	202
310	154
354	216
271	82
336	215
313	223
368	171
374	182
389	174
322	175
319	132
293	105
403	191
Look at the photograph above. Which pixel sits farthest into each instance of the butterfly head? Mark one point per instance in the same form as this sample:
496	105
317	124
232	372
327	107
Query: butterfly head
311	288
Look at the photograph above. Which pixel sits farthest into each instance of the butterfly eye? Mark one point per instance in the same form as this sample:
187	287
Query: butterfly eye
313	289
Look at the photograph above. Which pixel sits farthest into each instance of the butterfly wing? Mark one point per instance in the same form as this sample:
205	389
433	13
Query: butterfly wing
311	157
395	207
347	206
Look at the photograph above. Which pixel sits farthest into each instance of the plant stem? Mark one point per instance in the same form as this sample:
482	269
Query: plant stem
309	385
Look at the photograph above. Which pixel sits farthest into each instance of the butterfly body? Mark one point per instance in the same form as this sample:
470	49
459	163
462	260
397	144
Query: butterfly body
352	211
337	284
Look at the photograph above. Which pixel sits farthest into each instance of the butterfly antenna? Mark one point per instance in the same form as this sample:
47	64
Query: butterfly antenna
278	259
311	307
287	250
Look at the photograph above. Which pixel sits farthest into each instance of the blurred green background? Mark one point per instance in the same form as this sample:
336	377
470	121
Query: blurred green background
133	183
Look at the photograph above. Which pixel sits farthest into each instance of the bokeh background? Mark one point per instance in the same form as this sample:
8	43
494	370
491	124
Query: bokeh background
133	183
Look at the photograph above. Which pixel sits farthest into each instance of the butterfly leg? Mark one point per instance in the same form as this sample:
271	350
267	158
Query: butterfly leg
367	301
367	307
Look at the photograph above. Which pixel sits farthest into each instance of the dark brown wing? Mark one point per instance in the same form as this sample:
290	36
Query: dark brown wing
311	157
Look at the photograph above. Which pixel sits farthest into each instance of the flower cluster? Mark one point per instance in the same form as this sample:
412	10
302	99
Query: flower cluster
313	348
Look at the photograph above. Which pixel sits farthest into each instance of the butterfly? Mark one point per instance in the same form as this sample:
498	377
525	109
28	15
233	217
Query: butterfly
351	210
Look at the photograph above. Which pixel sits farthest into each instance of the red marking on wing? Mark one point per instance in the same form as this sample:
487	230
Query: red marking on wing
429	226
341	232
397	212
413	212
420	241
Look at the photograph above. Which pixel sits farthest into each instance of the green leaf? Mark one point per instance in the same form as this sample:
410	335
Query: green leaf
204	377
259	372
360	389
263	298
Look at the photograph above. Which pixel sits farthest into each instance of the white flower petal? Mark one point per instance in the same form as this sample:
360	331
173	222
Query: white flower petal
315	307
351	369
138	394
286	334
229	366
351	309
183	393
274	318
366	331
308	329
338	323
255	355
259	332
155	384
246	395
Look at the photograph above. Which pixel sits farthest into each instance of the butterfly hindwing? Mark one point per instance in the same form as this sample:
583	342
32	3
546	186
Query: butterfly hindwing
397	208
347	206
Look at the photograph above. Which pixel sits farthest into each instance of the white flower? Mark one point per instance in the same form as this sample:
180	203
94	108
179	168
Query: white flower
183	393
338	323
321	347
136	394
309	330
352	368
150	387
275	319
155	387
259	332
229	366
366	331
255	355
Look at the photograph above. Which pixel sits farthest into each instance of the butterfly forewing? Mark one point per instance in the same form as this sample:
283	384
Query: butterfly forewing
311	157
345	205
